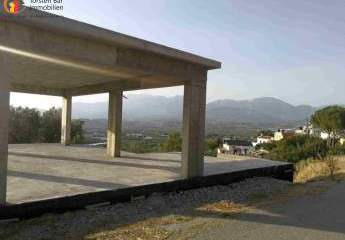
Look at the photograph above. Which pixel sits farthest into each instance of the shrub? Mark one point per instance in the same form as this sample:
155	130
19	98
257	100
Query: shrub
296	148
173	143
211	145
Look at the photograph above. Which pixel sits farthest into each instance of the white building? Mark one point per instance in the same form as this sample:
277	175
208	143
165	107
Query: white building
236	147
324	135
317	132
279	135
262	139
303	130
342	141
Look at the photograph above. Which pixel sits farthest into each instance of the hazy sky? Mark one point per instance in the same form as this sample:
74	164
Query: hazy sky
290	49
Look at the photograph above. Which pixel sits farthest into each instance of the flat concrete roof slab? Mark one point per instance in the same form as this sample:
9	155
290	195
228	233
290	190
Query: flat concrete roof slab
55	23
55	55
43	171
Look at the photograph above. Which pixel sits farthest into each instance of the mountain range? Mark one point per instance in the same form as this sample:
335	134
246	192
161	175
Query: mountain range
263	110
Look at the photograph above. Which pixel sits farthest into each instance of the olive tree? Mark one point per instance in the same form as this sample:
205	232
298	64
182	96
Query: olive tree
332	121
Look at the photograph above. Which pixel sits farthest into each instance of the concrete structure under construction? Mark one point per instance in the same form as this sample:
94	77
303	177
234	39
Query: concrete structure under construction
53	55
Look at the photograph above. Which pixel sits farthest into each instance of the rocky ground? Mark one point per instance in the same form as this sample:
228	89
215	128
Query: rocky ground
169	216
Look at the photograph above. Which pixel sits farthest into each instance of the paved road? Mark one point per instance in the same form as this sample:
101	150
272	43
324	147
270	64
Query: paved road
309	217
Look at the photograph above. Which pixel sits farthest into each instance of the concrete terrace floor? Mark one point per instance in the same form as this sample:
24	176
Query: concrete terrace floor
41	171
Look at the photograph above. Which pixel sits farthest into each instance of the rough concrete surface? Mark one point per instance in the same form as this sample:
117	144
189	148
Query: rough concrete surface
41	171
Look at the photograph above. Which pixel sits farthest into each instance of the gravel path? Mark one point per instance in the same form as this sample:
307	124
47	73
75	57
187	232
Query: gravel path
157	217
307	217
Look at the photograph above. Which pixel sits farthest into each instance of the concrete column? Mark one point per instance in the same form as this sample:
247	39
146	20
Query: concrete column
4	116
194	105
114	123
66	120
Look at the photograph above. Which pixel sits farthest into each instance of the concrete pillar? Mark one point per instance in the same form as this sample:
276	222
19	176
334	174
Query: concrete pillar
4	116
66	120
194	105
114	123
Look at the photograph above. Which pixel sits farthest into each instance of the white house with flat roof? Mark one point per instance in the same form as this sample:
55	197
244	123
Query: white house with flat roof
236	147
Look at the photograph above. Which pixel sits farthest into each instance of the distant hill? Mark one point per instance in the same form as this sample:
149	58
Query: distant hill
135	107
259	110
264	110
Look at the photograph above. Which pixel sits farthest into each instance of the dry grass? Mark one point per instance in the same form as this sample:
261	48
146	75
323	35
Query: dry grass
145	230
309	170
158	228
316	170
223	207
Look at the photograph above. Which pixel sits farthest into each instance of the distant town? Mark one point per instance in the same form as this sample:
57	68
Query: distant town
246	147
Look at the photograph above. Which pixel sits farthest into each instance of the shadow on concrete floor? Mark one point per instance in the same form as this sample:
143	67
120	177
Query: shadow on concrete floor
110	162
66	180
153	159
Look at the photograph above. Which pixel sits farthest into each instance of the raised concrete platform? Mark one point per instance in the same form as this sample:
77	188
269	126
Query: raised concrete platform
50	177
42	171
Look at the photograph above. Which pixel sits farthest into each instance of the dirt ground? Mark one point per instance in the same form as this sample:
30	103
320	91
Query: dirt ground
183	215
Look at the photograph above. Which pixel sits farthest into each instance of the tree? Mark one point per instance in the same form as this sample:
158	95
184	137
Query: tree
211	145
30	126
24	124
51	126
77	132
331	120
173	143
50	130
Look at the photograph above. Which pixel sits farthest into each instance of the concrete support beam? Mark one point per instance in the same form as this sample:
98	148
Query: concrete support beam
194	105
66	120
129	83
114	123
4	116
136	83
36	90
94	58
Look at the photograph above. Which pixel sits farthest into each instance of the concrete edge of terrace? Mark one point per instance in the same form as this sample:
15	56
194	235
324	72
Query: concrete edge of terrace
51	22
